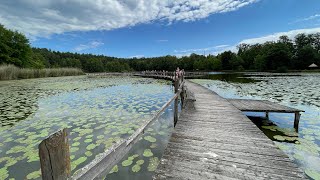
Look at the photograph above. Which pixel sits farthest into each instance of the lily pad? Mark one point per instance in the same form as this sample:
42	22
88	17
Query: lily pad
312	174
147	153
150	139
34	175
114	169
140	162
126	163
153	163
136	168
279	138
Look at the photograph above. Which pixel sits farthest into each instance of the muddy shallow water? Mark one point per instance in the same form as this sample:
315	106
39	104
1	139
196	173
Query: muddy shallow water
98	112
300	91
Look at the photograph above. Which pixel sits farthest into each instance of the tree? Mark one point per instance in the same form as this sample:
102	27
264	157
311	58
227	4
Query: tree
14	48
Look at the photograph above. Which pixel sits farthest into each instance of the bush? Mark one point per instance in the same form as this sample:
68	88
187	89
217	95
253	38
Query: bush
282	69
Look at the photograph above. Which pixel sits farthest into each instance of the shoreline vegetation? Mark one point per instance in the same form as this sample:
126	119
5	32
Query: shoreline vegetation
283	55
11	72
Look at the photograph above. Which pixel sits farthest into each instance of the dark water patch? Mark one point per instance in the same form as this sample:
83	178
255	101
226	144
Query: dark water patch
274	132
229	77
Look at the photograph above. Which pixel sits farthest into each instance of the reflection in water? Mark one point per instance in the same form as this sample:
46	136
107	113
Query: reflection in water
98	112
299	91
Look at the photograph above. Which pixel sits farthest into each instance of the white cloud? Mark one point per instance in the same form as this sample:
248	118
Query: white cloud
202	50
90	45
310	18
271	37
137	56
275	36
46	17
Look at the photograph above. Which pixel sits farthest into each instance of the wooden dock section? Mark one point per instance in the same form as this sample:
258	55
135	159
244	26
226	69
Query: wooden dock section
250	105
214	140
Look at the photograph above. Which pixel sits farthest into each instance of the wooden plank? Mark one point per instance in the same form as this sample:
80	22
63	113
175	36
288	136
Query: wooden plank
261	106
55	157
216	141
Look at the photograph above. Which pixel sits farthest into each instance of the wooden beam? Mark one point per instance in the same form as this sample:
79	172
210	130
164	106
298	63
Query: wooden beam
296	120
55	157
176	101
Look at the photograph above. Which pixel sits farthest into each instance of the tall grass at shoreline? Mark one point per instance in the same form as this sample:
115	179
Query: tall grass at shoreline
11	72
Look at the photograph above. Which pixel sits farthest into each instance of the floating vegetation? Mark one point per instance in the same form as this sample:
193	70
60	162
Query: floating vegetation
150	139
279	138
140	162
4	174
147	153
153	145
114	169
136	168
312	174
126	163
153	163
98	112
34	175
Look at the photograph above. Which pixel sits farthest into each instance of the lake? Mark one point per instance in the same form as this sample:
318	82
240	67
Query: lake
297	90
98	113
101	111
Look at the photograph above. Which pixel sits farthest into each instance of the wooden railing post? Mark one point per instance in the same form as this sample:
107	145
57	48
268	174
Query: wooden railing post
182	94
176	101
55	157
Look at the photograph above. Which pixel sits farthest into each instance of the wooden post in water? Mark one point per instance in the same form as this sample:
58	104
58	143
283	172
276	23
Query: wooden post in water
55	157
176	101
296	120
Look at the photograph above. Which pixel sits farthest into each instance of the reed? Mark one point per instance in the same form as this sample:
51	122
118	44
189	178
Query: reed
11	72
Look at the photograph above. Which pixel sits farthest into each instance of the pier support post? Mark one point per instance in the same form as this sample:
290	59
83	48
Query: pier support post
296	120
176	101
267	115
55	157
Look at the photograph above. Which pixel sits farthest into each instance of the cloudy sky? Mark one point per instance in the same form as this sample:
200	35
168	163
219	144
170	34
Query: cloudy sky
136	28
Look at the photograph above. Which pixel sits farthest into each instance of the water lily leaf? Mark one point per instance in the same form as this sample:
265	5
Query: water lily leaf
115	169
4	174
88	153
140	162
279	138
136	168
312	173
154	145
147	153
126	163
34	175
88	140
91	146
153	163
150	139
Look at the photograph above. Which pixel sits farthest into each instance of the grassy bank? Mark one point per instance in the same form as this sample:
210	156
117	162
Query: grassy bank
10	72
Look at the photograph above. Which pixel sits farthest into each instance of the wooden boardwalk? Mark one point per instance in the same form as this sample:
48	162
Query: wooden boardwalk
251	105
216	141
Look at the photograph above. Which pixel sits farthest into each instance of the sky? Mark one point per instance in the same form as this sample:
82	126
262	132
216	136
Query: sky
149	28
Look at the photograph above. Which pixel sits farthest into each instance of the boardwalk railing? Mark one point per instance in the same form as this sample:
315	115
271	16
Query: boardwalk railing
54	151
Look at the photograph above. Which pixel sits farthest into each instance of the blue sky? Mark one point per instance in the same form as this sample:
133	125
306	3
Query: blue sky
136	28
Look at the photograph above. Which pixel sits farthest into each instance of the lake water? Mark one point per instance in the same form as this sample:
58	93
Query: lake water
301	91
102	111
98	112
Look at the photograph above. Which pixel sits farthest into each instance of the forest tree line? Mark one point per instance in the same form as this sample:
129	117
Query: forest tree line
281	55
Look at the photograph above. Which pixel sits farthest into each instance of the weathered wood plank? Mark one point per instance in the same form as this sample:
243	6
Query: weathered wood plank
55	157
216	141
261	106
